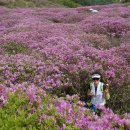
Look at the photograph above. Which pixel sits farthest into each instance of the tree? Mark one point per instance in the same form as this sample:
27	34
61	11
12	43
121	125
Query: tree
123	1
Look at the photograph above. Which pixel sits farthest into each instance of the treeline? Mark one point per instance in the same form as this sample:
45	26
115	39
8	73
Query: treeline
94	2
67	3
75	3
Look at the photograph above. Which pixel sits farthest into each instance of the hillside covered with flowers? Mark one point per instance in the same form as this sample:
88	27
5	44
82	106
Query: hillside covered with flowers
47	56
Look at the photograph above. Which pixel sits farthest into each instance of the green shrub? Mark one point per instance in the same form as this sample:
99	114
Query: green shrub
79	85
15	48
94	2
68	3
26	74
19	114
119	101
22	112
15	114
21	3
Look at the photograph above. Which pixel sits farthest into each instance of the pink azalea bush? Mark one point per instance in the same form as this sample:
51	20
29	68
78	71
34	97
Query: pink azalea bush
29	106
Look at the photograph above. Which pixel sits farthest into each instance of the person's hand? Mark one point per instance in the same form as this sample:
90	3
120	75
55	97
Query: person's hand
91	94
106	91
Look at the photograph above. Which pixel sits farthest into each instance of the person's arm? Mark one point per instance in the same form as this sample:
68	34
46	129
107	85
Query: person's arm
89	93
106	94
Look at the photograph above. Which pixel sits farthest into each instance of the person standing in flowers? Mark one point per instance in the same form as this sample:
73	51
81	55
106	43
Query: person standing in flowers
98	92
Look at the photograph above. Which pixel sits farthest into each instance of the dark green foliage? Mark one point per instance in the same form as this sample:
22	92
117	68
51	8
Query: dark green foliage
80	82
123	1
19	3
120	100
115	41
15	48
68	3
94	2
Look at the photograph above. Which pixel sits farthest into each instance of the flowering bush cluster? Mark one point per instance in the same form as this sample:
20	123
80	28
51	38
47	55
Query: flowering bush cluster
30	107
57	50
111	26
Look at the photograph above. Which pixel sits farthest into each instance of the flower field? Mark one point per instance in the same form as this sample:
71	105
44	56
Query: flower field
47	56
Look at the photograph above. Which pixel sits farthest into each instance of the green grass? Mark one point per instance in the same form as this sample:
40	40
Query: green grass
27	3
15	48
68	3
31	3
20	3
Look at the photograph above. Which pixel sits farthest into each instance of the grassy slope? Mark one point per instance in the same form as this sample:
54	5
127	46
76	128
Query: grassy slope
48	3
31	3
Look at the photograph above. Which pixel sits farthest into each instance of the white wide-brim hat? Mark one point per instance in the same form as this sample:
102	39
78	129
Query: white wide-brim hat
96	76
